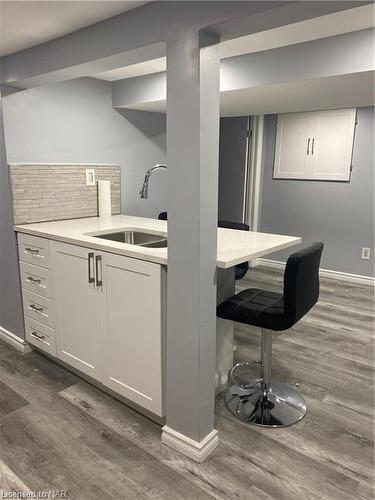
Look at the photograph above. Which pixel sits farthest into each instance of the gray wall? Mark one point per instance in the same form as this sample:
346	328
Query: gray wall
11	317
74	122
340	214
232	164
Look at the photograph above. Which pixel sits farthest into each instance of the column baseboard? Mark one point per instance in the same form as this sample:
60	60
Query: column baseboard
195	450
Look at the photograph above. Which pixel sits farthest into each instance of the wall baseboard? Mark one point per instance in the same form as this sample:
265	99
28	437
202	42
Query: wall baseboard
195	450
324	273
13	340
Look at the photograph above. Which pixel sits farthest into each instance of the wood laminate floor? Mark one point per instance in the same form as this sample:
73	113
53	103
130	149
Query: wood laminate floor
59	432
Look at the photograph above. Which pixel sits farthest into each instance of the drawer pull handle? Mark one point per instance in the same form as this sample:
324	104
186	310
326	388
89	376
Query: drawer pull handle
99	274
34	280
36	308
91	275
33	251
37	336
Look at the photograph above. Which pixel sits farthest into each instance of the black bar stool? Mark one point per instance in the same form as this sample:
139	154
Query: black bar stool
163	216
265	401
241	269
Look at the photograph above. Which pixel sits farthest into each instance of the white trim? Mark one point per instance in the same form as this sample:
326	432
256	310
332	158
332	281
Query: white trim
246	176
195	450
324	273
17	342
20	164
258	173
255	173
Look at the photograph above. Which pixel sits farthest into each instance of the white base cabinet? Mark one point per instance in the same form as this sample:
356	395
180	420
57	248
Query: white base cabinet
37	292
77	315
131	308
109	320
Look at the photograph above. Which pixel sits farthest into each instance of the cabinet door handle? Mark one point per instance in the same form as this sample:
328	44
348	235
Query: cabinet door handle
90	260
98	264
33	251
37	336
308	146
34	280
36	308
312	146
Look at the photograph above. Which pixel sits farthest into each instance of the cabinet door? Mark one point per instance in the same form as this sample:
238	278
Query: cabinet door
132	330
291	146
332	134
77	312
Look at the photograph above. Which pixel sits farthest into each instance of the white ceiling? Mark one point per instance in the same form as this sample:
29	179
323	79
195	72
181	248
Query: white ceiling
307	95
24	24
341	22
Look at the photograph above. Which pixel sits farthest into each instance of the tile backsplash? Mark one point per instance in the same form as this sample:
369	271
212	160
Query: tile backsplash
47	192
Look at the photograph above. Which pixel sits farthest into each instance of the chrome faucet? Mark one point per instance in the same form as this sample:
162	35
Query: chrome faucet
144	189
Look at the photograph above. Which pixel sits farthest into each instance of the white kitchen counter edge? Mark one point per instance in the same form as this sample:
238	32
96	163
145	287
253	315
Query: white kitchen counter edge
127	250
228	254
226	264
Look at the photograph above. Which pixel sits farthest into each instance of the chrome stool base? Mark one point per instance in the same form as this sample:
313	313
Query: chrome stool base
279	406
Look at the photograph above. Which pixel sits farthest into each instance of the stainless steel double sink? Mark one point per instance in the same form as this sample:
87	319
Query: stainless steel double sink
134	237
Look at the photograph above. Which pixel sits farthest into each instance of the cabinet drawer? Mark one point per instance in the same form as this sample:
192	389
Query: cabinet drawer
36	279
34	250
40	335
38	308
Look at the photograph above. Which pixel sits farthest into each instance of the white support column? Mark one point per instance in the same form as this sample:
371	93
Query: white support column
192	152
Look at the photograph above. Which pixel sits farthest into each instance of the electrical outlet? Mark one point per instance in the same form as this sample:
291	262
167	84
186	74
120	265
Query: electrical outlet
365	255
90	177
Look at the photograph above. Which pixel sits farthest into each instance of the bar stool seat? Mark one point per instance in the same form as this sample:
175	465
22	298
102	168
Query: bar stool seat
256	307
262	400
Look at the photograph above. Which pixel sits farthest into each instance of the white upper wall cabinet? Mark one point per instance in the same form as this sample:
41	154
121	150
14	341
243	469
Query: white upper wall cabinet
315	146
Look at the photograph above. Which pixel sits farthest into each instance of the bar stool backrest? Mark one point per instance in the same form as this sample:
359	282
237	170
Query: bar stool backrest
241	226
301	282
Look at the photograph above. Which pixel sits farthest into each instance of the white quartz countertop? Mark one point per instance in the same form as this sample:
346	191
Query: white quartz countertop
233	246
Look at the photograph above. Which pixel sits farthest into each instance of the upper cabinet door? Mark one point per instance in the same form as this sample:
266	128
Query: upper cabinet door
132	329
291	146
77	303
315	146
332	134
